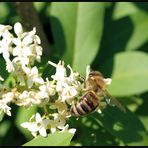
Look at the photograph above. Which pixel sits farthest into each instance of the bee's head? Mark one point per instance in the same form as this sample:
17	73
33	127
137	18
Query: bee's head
97	80
95	74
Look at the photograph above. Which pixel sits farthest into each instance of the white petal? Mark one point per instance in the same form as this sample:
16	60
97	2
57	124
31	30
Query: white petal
16	51
99	111
42	132
18	29
39	80
34	70
53	129
27	40
108	81
1	79
30	83
31	33
87	71
16	41
34	134
72	130
37	39
38	117
45	122
51	63
8	112
25	124
33	127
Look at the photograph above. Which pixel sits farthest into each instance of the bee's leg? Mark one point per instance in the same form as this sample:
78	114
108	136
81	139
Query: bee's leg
103	105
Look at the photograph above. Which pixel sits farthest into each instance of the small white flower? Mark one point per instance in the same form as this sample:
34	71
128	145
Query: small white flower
61	106
66	86
53	126
60	71
8	97
27	98
5	108
65	128
39	125
33	76
4	30
47	89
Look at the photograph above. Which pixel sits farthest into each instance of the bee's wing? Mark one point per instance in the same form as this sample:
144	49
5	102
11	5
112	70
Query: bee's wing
113	101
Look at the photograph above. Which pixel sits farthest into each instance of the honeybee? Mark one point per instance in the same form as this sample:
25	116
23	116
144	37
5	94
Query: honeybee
95	91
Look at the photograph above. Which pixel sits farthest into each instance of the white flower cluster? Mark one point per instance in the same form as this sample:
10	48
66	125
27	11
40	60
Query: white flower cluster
20	51
54	96
63	88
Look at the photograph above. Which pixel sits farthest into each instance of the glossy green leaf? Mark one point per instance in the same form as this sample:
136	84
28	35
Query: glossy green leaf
77	30
129	9
129	73
139	35
125	34
56	139
140	22
125	126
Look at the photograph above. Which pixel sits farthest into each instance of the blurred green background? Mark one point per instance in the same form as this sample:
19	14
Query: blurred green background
112	38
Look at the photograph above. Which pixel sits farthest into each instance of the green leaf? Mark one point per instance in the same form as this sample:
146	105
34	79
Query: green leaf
39	6
129	73
4	12
77	30
125	126
129	9
125	34
56	139
24	115
132	102
96	134
1	115
4	127
142	110
139	35
140	22
3	71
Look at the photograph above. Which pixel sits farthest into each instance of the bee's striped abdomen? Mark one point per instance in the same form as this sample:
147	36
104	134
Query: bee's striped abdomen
86	105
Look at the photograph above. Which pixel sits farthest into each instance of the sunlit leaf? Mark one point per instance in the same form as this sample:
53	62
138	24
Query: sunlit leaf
129	73
77	30
129	9
139	35
140	22
56	139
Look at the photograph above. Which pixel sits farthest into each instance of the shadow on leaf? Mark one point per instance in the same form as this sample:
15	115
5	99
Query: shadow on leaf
126	126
